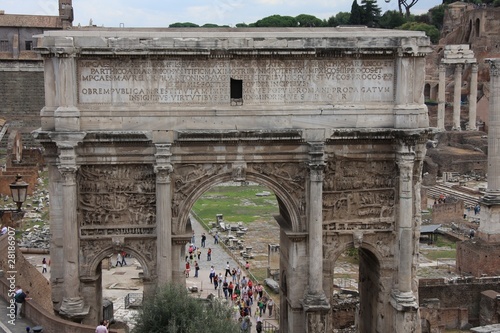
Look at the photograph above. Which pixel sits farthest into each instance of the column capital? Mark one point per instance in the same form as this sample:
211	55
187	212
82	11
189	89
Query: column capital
442	67
163	168
459	67
474	67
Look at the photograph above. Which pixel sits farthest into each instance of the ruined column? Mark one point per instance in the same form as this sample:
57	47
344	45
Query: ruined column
441	97
315	298
473	98
457	97
72	305
489	228
163	169
404	295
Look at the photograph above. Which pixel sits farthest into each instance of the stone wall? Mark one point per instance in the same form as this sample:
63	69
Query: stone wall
28	277
466	292
22	95
450	211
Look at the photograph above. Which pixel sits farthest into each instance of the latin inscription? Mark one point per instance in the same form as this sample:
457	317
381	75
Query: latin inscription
265	81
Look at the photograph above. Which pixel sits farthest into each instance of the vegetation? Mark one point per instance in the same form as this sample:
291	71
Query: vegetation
237	204
172	310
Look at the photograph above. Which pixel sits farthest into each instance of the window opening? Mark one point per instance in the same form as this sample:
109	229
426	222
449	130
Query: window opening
236	92
28	45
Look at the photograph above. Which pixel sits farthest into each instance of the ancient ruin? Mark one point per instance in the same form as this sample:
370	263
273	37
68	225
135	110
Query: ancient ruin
139	123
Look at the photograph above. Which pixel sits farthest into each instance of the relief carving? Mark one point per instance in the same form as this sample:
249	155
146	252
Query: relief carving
115	197
359	195
316	323
290	176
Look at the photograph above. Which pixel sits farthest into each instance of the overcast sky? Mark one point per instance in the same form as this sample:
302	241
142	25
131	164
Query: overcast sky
161	13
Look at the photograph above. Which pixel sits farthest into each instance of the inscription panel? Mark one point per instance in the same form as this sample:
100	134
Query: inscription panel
177	81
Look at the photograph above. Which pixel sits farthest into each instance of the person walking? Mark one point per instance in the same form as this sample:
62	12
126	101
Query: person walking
124	254
203	240
103	327
188	268
228	269
196	269
270	305
209	254
44	266
119	259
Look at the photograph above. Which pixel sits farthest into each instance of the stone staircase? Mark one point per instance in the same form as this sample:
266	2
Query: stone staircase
445	189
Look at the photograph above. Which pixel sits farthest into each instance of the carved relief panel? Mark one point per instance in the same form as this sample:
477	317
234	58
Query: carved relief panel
359	194
116	201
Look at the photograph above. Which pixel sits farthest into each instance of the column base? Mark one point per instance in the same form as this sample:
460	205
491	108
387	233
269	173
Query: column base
315	301
73	308
404	301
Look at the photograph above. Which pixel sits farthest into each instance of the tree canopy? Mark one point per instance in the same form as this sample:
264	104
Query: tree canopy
277	21
172	310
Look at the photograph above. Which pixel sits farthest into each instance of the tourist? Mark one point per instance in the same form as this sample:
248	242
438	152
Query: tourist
216	281
259	289
209	254
238	275
225	285
19	298
124	254
244	282
119	259
198	253
233	274
103	327
212	274
270	305
188	268
196	269
4	230
247	265
258	327
260	305
230	289
246	325
44	266
216	238
203	239
228	269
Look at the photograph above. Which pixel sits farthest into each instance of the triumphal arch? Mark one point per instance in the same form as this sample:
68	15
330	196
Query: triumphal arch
139	123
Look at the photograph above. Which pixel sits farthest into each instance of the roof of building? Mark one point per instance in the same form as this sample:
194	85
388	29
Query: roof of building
429	229
30	21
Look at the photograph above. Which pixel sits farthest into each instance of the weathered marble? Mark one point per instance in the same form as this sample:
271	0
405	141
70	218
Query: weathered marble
329	119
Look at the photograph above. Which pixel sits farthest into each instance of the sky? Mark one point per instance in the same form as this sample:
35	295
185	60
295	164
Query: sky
162	13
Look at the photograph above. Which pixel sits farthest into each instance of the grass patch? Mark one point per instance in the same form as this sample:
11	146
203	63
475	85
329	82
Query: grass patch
236	203
443	241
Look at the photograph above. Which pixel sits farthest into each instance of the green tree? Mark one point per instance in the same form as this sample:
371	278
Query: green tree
277	21
342	18
172	310
391	19
430	30
437	15
371	13
183	25
356	17
305	20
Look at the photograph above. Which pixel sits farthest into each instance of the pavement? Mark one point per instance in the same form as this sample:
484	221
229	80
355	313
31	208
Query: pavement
118	282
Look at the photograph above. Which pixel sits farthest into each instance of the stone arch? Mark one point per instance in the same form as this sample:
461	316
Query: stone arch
103	253
370	282
287	203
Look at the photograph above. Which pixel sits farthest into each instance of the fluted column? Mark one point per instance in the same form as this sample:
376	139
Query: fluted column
441	97
457	97
163	169
473	98
493	191
315	298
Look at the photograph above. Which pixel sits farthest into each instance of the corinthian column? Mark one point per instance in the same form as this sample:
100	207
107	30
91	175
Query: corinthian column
404	296
72	305
315	298
441	97
473	98
163	169
457	97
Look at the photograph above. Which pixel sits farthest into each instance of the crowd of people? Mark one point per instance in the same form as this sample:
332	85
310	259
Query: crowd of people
232	284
